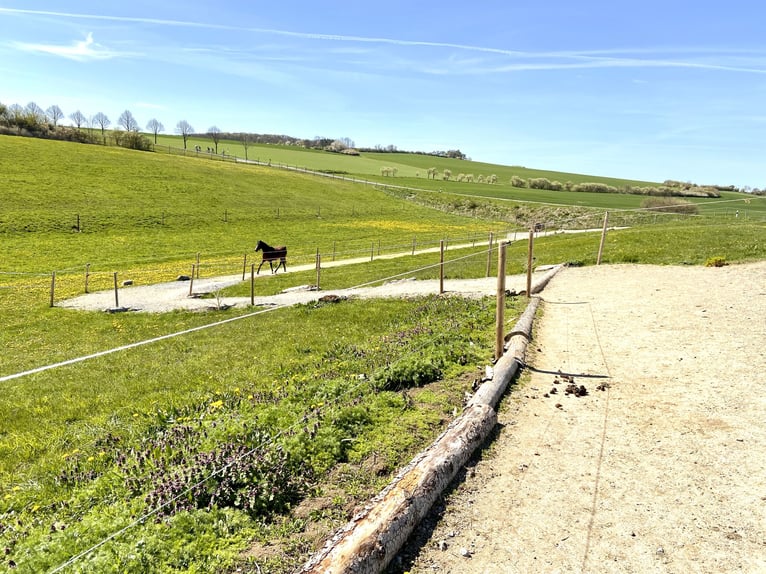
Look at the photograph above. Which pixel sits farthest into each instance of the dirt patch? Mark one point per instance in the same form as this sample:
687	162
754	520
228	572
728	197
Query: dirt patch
657	467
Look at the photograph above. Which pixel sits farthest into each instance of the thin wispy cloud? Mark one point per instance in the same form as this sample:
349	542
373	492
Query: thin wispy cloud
80	51
684	57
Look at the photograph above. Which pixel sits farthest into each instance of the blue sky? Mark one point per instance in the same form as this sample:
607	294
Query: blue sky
648	90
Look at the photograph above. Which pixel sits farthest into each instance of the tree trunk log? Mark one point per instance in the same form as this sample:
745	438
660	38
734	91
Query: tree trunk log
373	537
505	369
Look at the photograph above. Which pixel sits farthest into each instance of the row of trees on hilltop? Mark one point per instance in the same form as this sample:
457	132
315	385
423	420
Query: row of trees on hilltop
32	120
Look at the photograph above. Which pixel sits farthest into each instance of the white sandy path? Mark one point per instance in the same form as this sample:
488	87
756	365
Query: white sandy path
665	471
163	297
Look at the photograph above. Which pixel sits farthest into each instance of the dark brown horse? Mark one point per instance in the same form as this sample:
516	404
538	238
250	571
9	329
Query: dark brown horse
272	254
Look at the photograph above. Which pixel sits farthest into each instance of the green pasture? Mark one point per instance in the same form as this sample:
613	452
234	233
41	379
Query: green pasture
369	164
330	398
66	205
412	172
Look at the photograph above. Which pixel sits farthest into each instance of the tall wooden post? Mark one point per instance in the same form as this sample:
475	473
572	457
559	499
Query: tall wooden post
414	240
87	276
244	266
372	251
116	293
319	267
530	250
500	306
441	266
191	281
603	237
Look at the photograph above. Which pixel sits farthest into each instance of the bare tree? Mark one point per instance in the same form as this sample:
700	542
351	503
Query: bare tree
54	115
35	114
215	134
184	128
155	127
127	121
245	138
78	118
102	121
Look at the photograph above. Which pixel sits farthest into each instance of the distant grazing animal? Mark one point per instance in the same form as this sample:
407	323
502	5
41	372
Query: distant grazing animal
272	254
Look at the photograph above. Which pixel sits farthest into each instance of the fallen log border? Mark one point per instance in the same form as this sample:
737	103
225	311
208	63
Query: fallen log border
374	536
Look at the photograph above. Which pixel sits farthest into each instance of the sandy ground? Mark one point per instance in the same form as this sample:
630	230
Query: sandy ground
163	297
664	470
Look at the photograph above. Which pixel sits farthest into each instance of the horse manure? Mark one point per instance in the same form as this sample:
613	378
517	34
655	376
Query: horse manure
573	389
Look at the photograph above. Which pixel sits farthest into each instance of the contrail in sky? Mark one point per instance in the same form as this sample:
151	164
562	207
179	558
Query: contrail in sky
584	59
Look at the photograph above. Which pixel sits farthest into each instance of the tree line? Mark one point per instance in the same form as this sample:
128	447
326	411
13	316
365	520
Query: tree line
33	120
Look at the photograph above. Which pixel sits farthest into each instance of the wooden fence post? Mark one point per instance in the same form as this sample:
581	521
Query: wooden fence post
116	293
53	286
87	276
372	251
500	306
319	267
252	284
244	266
489	253
441	266
414	241
530	250
603	237
191	281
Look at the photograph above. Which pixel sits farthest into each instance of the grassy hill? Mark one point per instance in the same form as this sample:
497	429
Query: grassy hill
412	171
69	204
409	165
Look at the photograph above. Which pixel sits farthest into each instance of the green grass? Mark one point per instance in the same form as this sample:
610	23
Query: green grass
412	172
135	207
316	378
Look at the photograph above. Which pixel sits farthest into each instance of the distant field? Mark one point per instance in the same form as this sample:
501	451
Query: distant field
370	163
412	172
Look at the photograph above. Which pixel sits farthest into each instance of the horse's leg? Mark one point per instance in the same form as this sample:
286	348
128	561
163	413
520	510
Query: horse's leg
259	268
271	264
